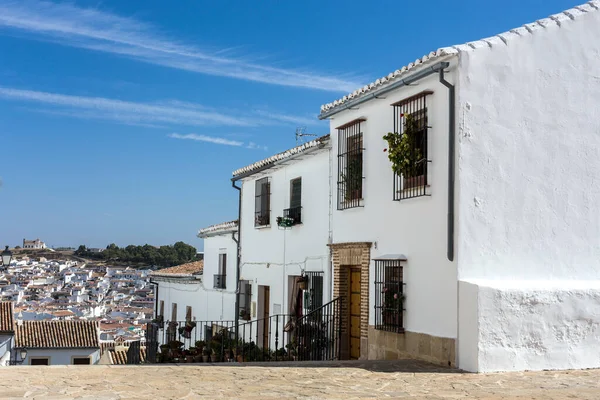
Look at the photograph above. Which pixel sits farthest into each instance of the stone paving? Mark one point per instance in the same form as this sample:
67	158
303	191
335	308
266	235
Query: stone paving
341	380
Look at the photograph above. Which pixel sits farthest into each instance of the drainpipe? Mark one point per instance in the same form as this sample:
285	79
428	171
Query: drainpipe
239	258
451	163
451	175
155	297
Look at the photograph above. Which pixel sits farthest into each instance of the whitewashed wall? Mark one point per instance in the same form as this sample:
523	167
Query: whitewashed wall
5	344
305	244
208	304
414	227
62	356
529	221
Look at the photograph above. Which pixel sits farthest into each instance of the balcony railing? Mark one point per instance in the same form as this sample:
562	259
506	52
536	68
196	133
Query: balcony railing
220	282
295	213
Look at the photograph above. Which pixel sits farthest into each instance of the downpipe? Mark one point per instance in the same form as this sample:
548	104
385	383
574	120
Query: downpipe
239	258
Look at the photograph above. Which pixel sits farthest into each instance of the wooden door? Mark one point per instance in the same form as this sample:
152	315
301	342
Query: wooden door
354	313
266	301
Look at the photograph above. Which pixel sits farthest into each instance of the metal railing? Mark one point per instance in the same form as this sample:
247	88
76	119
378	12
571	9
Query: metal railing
318	334
313	337
294	213
220	281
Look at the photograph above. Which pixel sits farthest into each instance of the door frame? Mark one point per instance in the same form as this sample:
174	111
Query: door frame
345	256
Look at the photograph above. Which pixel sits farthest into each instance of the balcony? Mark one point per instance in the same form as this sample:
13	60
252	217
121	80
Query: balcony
293	213
220	281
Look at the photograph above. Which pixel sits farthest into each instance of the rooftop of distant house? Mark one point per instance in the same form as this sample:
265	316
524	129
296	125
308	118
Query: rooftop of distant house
57	334
184	270
6	317
217	229
279	157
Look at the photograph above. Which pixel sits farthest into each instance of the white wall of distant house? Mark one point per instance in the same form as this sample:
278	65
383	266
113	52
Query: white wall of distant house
414	227
5	344
264	262
207	302
62	356
528	215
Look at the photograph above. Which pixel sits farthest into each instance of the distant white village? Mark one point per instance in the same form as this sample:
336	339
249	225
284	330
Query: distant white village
116	301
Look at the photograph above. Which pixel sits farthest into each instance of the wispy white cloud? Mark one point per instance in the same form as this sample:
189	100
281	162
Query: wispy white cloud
292	119
93	29
204	138
172	113
252	145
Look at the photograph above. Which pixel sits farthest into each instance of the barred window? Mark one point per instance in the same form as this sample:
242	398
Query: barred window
410	121
295	210
262	215
174	312
350	165
188	314
162	308
245	300
389	295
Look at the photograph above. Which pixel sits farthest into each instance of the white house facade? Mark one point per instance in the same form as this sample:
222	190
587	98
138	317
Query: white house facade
203	291
57	342
481	251
285	225
35	244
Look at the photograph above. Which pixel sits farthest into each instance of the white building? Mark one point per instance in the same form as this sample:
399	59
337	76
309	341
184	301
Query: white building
491	236
201	291
275	252
7	331
35	244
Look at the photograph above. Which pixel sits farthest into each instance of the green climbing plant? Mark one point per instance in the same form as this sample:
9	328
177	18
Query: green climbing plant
403	149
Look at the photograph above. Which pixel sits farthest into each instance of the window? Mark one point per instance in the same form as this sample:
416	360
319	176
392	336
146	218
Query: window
245	300
350	165
81	361
295	210
161	311
221	277
262	206
389	297
315	291
39	361
410	118
188	314
174	312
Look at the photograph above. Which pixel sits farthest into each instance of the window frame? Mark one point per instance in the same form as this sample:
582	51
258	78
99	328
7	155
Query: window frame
87	358
417	185
245	306
350	190
389	309
262	203
41	358
295	205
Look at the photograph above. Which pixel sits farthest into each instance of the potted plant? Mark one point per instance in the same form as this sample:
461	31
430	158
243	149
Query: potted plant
352	179
244	314
393	302
404	152
206	355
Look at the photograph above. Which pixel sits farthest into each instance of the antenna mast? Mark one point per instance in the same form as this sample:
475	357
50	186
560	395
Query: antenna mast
300	134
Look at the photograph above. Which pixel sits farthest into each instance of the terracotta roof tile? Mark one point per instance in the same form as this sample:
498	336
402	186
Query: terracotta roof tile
119	357
57	334
6	316
183	270
318	142
217	228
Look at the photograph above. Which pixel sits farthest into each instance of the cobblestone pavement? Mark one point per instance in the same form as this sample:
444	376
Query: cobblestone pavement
342	380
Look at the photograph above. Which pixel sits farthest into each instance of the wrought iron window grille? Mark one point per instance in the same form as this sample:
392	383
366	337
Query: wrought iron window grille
350	165
262	206
411	117
389	296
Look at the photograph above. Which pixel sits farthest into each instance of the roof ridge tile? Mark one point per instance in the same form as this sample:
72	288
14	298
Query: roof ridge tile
570	14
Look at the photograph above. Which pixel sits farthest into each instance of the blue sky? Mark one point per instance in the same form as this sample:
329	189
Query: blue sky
121	121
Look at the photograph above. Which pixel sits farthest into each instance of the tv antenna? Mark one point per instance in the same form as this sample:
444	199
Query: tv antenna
300	133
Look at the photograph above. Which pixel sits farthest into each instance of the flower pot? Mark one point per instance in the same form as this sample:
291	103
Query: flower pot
189	359
205	359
